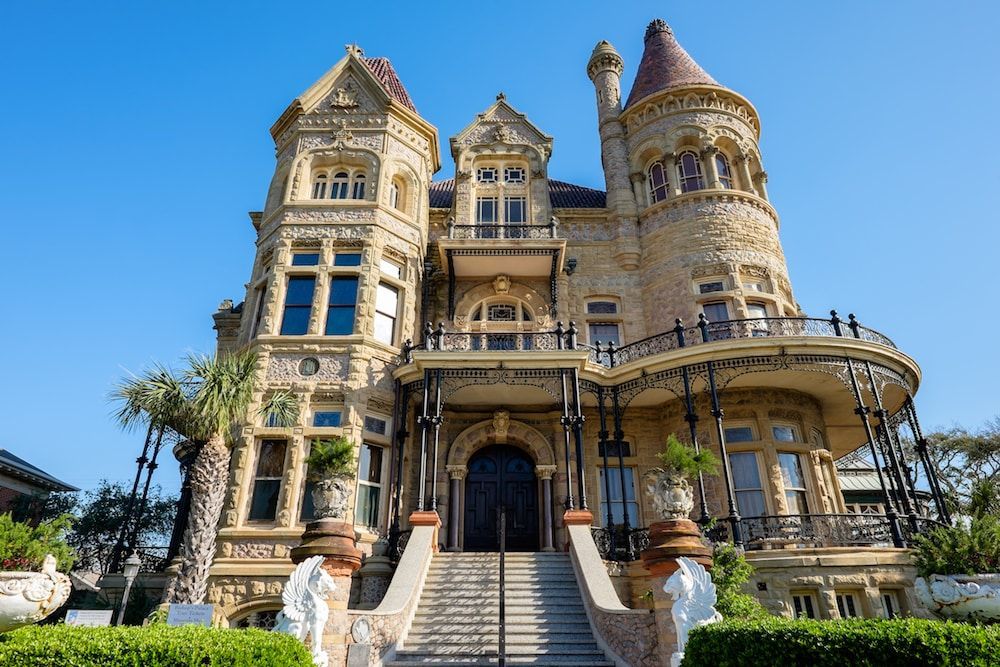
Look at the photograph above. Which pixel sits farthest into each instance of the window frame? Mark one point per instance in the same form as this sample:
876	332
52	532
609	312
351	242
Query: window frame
480	205
725	170
507	178
685	180
624	503
392	317
849	601
258	478
379	485
810	610
330	305
307	307
801	492
759	489
657	189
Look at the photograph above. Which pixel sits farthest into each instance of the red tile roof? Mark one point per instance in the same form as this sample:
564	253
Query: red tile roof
384	72
561	195
665	64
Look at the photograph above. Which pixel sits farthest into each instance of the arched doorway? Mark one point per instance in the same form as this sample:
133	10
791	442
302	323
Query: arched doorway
501	475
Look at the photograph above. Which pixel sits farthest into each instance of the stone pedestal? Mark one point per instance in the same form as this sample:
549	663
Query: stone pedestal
576	518
427	518
376	573
335	541
668	540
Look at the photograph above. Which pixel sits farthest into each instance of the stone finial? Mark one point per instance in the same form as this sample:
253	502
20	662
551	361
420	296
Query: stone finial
354	50
501	97
655	26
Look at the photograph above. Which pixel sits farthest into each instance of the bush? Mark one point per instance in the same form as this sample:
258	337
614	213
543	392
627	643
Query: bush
960	549
730	570
330	457
24	547
154	646
857	642
685	460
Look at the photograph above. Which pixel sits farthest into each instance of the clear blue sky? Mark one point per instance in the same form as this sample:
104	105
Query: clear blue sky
135	141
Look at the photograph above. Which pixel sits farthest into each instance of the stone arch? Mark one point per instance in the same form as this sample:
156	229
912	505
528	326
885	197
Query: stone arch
485	433
355	156
409	195
240	610
538	304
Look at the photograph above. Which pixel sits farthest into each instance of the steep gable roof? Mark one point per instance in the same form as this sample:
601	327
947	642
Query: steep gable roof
665	64
386	74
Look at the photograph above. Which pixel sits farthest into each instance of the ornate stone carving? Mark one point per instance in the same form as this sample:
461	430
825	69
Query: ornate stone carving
330	497
672	494
501	285
501	424
346	96
961	597
28	597
305	611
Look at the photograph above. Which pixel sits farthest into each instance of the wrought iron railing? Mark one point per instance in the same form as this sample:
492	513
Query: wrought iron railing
502	232
680	336
154	559
397	544
615	544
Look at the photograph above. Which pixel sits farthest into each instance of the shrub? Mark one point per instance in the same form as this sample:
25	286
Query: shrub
730	570
962	549
154	646
24	547
330	457
685	460
857	642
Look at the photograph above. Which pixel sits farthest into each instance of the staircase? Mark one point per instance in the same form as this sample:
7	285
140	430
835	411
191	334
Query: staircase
457	618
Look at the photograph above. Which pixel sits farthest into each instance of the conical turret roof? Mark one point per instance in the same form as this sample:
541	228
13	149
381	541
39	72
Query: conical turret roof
665	64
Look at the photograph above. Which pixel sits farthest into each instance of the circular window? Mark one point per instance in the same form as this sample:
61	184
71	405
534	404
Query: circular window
309	366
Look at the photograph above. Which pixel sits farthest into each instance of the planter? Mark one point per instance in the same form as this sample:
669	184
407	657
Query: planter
961	596
329	496
673	495
28	597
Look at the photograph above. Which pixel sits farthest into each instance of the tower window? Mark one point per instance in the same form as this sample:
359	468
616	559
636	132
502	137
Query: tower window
746	484
394	195
319	187
486	175
347	259
689	172
305	259
298	305
369	485
716	311
338	189
794	482
657	182
606	332
714	286
725	173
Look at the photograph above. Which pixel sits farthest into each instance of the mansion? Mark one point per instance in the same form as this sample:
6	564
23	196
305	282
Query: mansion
499	338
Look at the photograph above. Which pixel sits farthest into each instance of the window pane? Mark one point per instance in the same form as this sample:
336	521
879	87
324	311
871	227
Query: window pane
385	328
271	462
347	259
745	472
343	291
715	286
791	470
514	210
370	464
750	503
359	187
606	333
390	268
783	433
326	418
796	501
602	307
376	425
756	310
367	505
340	321
295	321
300	291
739	434
305	259
264	503
716	312
486	210
386	298
308	511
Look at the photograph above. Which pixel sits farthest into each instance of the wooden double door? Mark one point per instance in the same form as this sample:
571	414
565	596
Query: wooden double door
501	475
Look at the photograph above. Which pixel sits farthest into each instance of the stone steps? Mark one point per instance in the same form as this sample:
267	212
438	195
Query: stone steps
457	617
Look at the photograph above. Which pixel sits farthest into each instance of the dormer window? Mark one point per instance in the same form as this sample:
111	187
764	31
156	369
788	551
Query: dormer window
513	175
514	213
486	175
338	189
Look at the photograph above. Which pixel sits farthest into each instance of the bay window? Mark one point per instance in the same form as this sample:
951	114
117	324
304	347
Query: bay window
298	305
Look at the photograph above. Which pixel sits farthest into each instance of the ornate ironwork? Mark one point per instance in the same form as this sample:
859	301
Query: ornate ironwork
545	379
616	544
397	544
503	232
816	530
514	341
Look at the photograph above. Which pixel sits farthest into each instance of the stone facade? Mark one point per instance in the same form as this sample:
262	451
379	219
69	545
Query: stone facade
357	255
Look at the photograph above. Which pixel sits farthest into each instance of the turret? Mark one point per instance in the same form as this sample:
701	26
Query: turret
605	70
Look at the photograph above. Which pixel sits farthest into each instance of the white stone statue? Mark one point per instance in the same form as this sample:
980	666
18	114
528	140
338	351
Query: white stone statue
28	597
694	597
961	597
305	611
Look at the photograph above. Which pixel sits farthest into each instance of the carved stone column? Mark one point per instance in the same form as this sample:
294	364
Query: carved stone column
710	168
545	473
456	473
670	169
746	178
762	184
637	179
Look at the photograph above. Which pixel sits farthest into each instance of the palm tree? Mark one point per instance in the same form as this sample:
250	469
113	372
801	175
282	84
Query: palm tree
205	403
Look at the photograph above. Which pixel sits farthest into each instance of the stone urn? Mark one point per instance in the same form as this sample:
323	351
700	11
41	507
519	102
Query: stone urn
672	493
330	495
961	597
28	597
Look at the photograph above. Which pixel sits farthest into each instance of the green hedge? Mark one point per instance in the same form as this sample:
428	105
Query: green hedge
849	643
151	646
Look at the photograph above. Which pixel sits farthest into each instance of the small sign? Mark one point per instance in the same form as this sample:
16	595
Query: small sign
190	614
90	618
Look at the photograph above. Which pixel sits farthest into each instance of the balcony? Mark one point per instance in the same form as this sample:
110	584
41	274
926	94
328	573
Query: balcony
521	250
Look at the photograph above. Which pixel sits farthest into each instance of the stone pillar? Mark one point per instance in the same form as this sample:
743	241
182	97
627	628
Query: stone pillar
710	168
762	184
573	517
828	603
456	474
637	189
670	169
376	573
545	473
746	178
668	540
427	518
334	539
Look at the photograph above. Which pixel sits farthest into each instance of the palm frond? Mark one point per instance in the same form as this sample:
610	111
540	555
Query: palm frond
223	387
280	409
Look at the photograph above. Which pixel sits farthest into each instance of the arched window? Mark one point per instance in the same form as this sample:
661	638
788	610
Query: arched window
338	188
394	200
359	187
689	172
725	173
319	186
502	311
657	182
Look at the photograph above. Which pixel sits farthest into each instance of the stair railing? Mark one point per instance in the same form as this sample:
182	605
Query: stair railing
502	639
